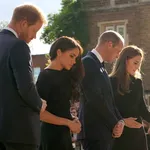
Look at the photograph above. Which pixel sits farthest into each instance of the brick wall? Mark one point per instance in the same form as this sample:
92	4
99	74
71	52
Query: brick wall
138	28
39	61
144	40
95	3
125	1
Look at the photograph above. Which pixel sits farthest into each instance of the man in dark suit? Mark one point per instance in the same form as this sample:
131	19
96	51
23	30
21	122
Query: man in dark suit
101	121
20	104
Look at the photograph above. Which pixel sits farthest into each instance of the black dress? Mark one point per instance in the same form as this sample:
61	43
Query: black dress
131	104
55	87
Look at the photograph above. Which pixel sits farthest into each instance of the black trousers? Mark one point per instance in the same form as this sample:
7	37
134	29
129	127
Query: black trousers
17	146
96	144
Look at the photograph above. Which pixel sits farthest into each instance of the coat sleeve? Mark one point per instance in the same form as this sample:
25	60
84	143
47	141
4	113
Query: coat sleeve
43	85
114	88
20	63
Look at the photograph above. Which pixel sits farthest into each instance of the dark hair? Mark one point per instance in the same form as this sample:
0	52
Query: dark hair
66	43
112	36
119	68
28	12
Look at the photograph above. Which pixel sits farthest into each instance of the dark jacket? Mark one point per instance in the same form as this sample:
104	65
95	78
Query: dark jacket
20	103
98	113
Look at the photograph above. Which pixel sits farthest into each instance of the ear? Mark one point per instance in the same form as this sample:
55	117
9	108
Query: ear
59	52
24	23
110	44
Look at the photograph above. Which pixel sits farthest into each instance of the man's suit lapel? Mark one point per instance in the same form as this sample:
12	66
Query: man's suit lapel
100	66
103	72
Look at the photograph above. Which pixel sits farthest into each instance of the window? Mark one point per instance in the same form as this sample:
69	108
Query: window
36	72
119	26
110	28
121	29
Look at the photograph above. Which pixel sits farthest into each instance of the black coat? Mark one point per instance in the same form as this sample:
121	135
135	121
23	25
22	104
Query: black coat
131	104
97	113
19	101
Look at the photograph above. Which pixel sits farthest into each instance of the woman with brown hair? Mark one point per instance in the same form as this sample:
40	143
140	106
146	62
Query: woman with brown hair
59	84
128	94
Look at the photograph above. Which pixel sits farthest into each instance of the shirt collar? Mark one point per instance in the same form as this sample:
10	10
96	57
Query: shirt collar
94	51
11	30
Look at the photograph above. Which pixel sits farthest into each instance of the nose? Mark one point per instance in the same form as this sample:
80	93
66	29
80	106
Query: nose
73	61
137	67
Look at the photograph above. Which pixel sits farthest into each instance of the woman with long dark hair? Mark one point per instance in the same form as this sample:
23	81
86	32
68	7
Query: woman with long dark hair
59	85
128	94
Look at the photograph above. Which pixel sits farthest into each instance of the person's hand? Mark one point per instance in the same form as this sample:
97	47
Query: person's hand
118	129
132	123
77	121
44	105
74	125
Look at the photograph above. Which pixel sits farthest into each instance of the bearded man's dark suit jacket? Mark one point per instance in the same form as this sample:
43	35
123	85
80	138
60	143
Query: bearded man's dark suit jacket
97	111
20	103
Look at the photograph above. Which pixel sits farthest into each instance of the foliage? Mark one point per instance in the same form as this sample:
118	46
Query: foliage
48	59
70	21
3	24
